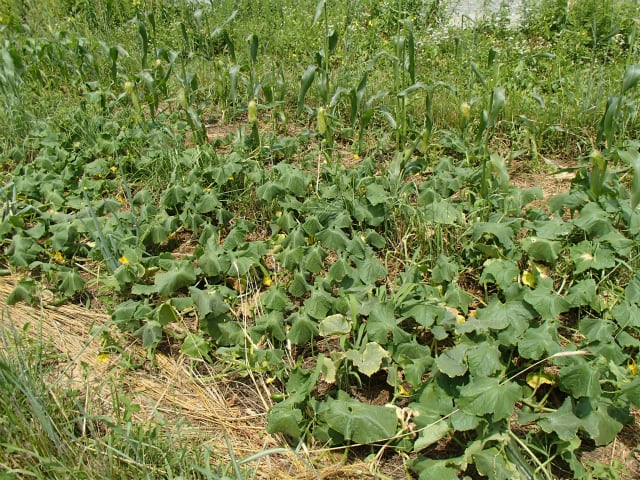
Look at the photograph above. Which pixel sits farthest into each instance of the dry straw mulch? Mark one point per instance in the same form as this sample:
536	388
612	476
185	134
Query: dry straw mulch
215	408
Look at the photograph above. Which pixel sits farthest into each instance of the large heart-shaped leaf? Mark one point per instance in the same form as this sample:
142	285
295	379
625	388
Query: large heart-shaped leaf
581	380
208	302
368	361
498	316
501	272
358	422
334	325
489	395
180	276
303	329
545	301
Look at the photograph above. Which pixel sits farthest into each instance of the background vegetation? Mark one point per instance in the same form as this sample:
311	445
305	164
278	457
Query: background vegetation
320	193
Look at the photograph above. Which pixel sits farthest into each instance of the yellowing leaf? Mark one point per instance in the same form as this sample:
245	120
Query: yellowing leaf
535	380
528	279
632	367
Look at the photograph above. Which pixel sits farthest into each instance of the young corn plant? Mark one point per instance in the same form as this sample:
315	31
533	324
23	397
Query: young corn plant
621	110
323	57
321	71
404	76
488	121
186	99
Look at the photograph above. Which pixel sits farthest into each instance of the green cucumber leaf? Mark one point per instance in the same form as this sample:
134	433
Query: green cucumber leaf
285	420
303	329
318	305
445	270
208	302
334	325
452	362
501	233
430	435
182	275
314	259
489	395
631	390
592	255
484	358
195	346
498	316
368	361
580	380
584	293
272	323
72	282
23	250
434	401
150	333
430	469
358	422
541	249
627	314
371	270
632	290
376	194
602	422
493	464
501	272
539	341
299	286
291	257
593	220
442	212
165	314
275	298
563	422
553	229
338	270
334	239
23	292
597	329
383	325
545	301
